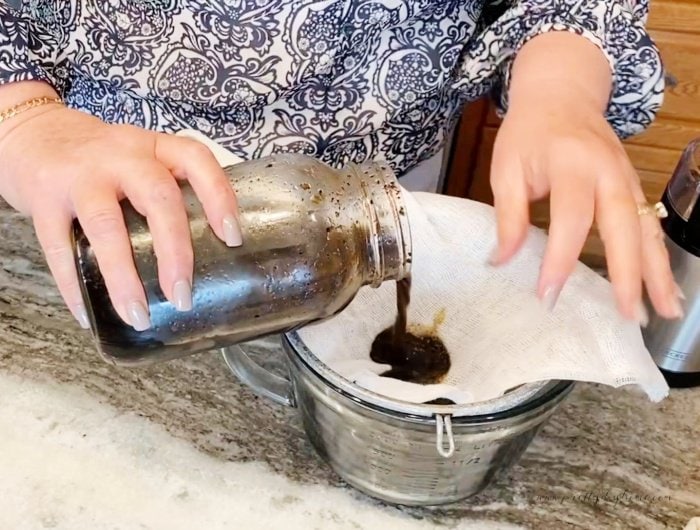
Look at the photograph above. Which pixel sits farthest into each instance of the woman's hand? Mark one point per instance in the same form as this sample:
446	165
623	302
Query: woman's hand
59	164
556	141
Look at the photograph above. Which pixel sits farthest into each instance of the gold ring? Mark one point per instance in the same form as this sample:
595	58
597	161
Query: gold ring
658	210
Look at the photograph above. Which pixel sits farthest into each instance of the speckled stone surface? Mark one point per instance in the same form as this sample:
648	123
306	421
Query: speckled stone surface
607	459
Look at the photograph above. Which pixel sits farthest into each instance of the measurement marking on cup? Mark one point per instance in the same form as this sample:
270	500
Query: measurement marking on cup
676	354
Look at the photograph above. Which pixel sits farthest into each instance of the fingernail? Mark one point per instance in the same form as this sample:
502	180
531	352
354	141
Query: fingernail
138	316
232	232
679	292
550	297
493	257
641	315
677	309
81	316
182	295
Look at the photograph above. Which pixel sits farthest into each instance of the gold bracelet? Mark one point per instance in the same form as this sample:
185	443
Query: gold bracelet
27	105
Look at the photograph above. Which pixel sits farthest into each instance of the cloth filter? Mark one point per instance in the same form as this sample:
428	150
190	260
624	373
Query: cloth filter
496	331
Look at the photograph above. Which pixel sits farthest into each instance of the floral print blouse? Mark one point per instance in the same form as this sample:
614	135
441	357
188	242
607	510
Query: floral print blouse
340	80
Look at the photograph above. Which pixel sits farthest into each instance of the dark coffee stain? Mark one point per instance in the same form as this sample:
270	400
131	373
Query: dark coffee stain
440	401
419	357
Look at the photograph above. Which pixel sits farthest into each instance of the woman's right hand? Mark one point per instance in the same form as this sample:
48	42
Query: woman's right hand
60	164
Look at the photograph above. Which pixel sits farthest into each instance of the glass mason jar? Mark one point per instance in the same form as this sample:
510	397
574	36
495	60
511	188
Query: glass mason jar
312	236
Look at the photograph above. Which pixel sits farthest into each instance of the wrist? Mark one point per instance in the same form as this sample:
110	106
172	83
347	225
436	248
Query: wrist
557	96
14	95
558	69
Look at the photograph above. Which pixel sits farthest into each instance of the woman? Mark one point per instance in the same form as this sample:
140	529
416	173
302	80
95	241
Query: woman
91	93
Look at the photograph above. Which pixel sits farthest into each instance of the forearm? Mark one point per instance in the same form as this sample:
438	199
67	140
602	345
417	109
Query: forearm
24	74
543	45
28	56
560	66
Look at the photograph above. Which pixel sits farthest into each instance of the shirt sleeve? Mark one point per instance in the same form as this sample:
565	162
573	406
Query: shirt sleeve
28	49
617	27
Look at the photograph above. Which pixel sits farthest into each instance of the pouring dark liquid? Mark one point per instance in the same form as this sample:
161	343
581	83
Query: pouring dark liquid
416	359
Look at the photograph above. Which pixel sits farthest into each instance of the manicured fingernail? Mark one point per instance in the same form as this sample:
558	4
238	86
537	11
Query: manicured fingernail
138	316
679	292
232	232
677	307
550	297
81	316
182	295
641	315
493	257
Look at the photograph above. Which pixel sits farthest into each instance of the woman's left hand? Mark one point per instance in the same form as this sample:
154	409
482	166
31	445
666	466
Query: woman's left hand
563	147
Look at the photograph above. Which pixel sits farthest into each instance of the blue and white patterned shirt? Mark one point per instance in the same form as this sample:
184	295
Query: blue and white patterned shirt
341	80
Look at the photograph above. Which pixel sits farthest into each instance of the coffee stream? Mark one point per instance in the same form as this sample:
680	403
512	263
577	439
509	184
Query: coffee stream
403	298
415	359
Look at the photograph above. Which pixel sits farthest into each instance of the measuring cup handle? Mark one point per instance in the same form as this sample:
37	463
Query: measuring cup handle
260	381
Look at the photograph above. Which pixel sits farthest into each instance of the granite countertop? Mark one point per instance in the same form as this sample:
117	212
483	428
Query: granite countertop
84	444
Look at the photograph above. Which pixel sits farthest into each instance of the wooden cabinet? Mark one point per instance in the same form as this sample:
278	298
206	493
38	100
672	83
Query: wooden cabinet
675	27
